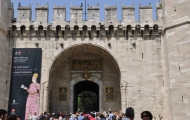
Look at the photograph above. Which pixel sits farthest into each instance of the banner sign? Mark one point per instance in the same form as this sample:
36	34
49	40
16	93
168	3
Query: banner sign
25	82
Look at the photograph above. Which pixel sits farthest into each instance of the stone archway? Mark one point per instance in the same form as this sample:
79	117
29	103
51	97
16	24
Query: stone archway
79	79
61	74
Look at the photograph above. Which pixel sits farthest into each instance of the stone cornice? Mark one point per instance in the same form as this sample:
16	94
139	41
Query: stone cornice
3	31
176	25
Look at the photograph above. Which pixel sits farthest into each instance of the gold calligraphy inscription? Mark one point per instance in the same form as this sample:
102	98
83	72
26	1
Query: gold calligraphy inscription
93	64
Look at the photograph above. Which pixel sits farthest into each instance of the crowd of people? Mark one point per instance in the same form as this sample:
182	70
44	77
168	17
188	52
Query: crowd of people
128	115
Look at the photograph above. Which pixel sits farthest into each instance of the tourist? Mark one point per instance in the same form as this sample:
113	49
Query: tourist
129	114
115	117
121	116
8	118
13	112
98	116
85	117
66	117
41	117
73	117
49	116
45	114
60	117
146	115
34	116
107	116
18	117
2	114
55	117
92	117
80	116
102	117
110	115
13	117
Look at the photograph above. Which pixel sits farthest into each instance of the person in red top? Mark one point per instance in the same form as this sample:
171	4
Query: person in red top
92	117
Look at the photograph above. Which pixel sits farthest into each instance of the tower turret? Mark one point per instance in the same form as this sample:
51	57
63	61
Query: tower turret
24	13
110	13
76	13
145	13
59	13
42	11
128	13
93	13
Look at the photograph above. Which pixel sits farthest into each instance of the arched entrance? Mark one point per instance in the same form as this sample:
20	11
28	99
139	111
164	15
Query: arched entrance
79	85
86	96
66	74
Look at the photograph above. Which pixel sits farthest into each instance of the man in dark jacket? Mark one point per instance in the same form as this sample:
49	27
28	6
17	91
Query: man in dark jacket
2	114
129	114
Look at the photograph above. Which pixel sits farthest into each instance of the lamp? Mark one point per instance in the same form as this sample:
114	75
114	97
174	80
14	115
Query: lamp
61	44
109	44
37	44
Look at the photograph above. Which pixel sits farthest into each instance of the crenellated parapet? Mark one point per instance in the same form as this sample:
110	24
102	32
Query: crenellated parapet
94	13
128	13
42	13
76	13
92	28
110	13
24	13
59	13
145	13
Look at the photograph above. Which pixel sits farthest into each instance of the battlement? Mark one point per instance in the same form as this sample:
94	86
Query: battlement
128	7
94	7
76	13
145	7
59	14
24	13
93	27
24	7
39	7
145	13
110	7
76	7
59	7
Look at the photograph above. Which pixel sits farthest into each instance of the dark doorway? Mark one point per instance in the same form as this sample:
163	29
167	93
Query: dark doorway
86	96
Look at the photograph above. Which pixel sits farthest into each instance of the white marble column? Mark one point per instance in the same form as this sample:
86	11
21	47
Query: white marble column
46	100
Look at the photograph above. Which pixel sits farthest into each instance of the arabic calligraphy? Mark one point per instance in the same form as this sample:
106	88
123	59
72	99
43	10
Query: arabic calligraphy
95	64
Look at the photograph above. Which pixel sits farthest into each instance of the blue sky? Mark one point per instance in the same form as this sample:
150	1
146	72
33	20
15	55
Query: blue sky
68	3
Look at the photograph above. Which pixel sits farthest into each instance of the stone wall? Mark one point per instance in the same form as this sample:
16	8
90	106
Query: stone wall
178	67
153	70
132	53
176	38
5	53
140	66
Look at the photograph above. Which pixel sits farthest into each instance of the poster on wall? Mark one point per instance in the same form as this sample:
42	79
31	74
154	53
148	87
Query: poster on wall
25	82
